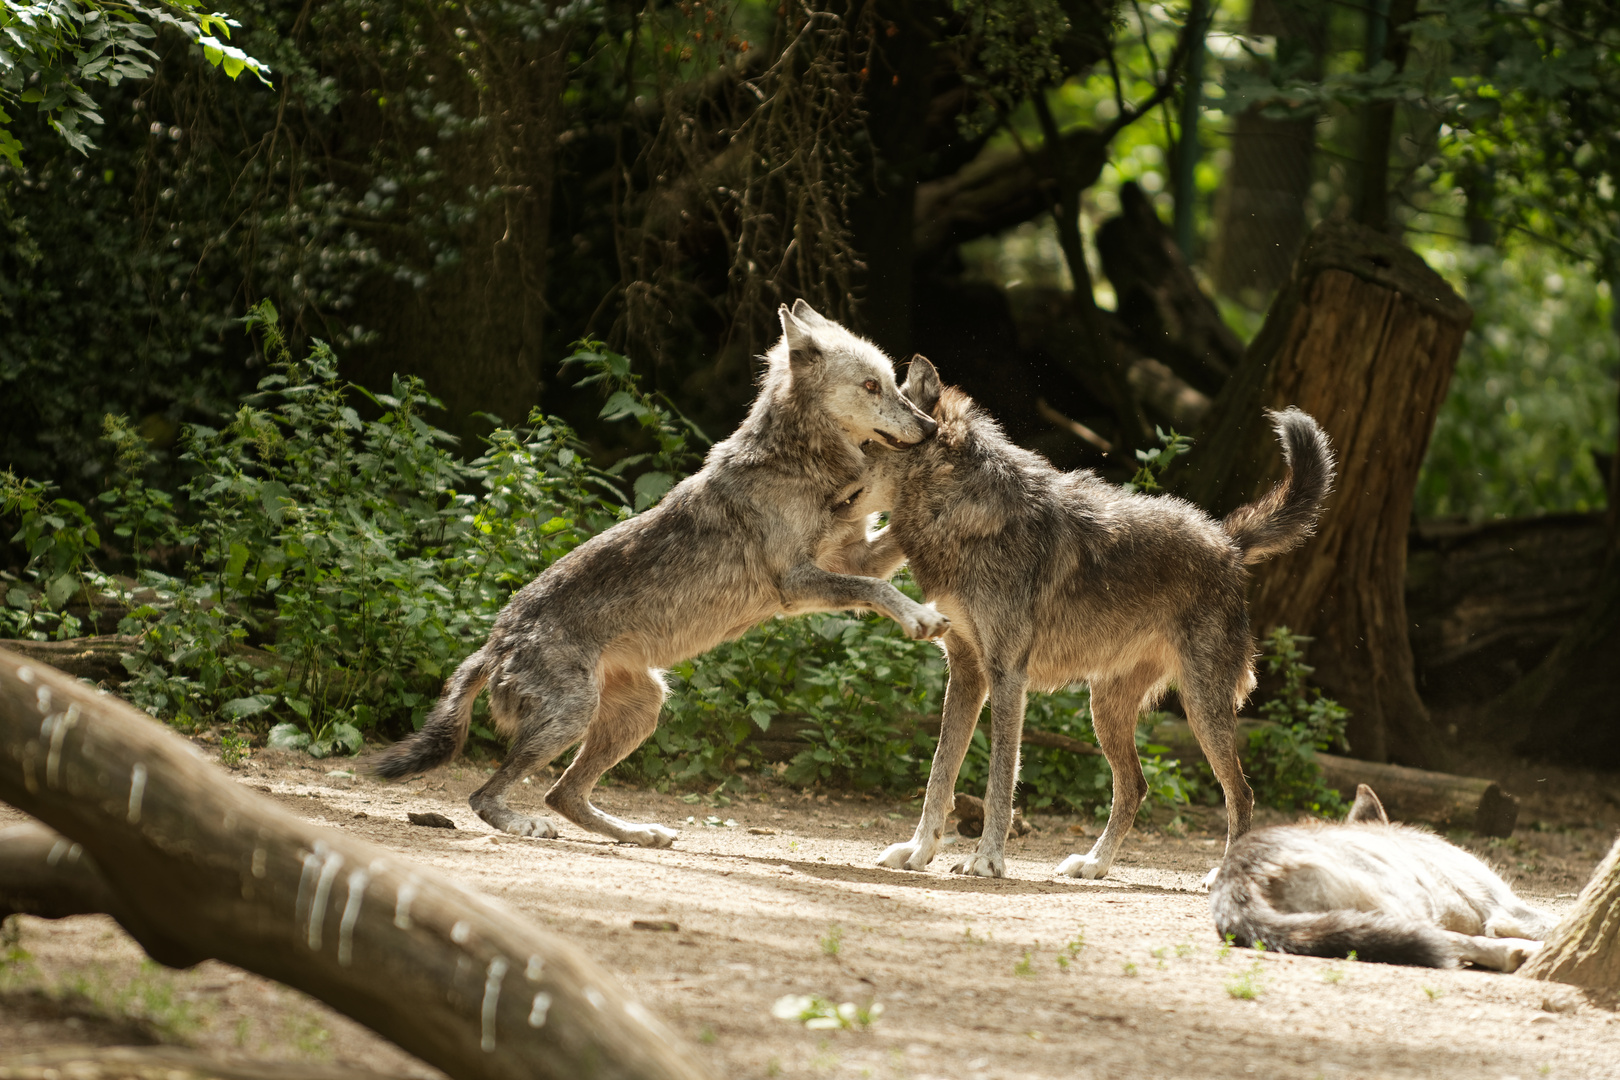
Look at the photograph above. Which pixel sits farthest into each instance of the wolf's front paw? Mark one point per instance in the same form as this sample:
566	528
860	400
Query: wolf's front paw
656	836
910	855
1083	866
926	622
980	864
1517	953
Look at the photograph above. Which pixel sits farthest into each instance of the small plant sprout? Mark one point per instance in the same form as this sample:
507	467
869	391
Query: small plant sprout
707	1036
1159	955
1246	986
1435	993
1225	948
1130	969
833	941
974	939
1185	949
820	1014
1333	975
1025	968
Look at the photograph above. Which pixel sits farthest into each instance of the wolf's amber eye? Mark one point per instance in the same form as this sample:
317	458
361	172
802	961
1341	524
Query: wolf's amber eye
871	386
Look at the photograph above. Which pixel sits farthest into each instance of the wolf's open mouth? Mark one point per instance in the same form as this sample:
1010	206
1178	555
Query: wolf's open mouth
892	441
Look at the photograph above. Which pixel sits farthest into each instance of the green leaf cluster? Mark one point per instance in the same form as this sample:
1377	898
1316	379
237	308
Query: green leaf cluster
1282	764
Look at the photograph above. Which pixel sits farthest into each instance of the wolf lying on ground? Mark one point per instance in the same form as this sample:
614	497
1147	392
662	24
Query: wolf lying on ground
1391	893
1051	577
575	654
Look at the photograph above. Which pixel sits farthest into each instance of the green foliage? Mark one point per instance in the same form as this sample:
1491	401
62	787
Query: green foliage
1282	763
1534	390
1152	464
54	48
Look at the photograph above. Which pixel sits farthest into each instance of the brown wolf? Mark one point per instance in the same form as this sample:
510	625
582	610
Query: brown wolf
576	653
1389	893
1049	578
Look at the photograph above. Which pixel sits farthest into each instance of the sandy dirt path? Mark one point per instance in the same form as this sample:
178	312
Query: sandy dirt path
1031	976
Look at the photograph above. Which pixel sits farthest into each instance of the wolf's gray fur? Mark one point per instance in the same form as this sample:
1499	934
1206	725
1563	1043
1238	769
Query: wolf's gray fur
576	653
1051	577
1393	894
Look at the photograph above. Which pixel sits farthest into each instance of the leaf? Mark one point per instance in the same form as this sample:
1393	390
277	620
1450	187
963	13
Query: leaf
346	736
238	708
652	486
286	737
61	589
621	405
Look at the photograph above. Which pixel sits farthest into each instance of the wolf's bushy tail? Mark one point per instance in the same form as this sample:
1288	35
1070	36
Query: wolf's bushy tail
446	728
1241	910
1286	515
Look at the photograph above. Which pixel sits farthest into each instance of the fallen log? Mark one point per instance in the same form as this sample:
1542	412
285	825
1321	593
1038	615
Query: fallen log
785	738
1439	799
42	873
160	1063
204	868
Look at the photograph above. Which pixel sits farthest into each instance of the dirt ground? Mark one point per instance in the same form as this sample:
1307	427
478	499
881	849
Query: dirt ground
774	893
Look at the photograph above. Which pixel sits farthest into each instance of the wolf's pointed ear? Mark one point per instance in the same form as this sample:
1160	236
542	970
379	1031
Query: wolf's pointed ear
922	385
807	314
1366	807
802	348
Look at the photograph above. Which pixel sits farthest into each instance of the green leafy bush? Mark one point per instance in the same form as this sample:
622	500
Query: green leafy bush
1282	764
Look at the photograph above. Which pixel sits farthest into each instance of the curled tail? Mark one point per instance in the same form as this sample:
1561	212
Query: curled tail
446	728
1286	515
1242	911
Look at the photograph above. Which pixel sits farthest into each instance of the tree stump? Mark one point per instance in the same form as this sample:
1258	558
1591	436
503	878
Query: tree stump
202	867
1584	949
1364	338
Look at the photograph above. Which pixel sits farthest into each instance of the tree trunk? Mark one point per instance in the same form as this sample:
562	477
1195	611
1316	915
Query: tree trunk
205	868
1262	202
1585	947
1364	338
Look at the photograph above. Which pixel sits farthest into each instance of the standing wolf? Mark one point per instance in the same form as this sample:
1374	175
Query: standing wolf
576	653
1051	577
1389	893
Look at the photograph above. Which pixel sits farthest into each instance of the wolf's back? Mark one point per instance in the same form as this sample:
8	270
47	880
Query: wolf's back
1286	515
445	730
1239	903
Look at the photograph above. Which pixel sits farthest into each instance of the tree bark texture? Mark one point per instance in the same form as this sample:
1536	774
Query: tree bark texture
1262	203
1488	603
1584	949
1364	338
205	868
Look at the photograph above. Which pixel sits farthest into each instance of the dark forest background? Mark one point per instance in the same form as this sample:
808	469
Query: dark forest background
1103	218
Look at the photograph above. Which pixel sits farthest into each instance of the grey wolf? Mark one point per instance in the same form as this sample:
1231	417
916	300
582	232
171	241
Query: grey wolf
1391	893
575	657
1049	578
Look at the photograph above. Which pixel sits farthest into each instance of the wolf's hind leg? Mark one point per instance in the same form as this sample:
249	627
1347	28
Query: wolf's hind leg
1496	953
550	713
1115	703
964	699
1212	715
626	715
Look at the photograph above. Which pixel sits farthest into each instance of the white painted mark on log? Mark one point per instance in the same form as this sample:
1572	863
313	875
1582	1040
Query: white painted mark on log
42	698
402	904
306	881
58	849
323	890
30	781
351	913
137	791
537	1012
638	1012
259	855
25	674
73	854
492	1000
536	966
53	759
460	932
594	996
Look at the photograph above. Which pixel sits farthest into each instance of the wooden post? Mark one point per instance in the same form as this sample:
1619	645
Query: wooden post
205	868
1364	338
1584	949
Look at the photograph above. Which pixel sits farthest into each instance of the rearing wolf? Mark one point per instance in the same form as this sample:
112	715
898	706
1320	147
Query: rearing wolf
576	655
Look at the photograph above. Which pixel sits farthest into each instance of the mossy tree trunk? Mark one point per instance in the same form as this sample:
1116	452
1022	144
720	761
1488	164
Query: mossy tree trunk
1364	338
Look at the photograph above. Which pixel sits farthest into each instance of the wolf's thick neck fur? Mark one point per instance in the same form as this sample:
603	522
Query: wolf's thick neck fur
787	424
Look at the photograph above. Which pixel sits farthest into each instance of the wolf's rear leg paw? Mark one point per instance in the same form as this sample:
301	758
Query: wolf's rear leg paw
910	855
654	836
927	623
980	864
1083	866
1209	878
510	821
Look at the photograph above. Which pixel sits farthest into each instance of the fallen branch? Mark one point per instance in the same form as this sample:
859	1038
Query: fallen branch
786	738
203	868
